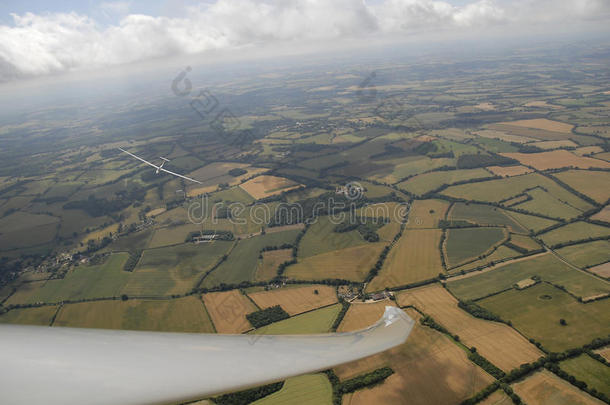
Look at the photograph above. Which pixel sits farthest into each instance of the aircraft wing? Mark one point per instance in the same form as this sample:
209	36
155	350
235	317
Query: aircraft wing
139	158
179	175
65	366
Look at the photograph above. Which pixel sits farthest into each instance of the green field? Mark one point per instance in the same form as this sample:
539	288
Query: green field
174	269
501	253
178	315
483	214
318	321
30	316
574	232
593	184
426	182
536	312
586	254
242	262
545	203
530	222
465	244
310	389
546	267
320	238
589	370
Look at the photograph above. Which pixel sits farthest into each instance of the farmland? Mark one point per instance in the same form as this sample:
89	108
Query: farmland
545	386
587	254
589	370
268	265
469	243
424	183
311	389
593	184
228	311
575	231
296	300
485	215
320	238
318	321
266	186
426	213
557	159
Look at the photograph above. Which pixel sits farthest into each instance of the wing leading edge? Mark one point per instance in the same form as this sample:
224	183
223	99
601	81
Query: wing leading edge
93	366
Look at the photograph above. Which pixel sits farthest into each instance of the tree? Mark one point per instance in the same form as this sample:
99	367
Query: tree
562	322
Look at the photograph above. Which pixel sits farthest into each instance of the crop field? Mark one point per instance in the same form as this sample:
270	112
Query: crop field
543	202
499	397
296	300
266	186
411	166
415	257
22	229
497	342
486	215
242	263
228	310
317	321
587	254
464	244
352	264
591	371
604	352
524	242
321	238
536	311
426	182
557	159
501	253
179	315
575	231
174	269
530	222
173	235
30	316
594	184
602	270
548	145
545	387
309	389
509	171
544	124
426	213
268	265
546	266
425	359
603	215
361	315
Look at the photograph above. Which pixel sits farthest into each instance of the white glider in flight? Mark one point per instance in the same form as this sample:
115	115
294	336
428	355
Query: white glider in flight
160	167
71	366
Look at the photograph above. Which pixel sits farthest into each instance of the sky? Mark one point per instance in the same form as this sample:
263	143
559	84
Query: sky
42	38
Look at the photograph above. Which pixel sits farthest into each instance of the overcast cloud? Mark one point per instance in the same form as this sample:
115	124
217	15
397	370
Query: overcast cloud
40	44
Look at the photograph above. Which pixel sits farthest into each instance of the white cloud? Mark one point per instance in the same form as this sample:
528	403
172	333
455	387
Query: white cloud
43	44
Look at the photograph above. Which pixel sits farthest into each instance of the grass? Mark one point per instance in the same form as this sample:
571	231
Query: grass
174	269
530	222
426	213
544	203
501	253
179	315
321	238
591	371
242	263
544	387
574	232
310	389
536	312
524	242
587	254
426	182
318	321
415	257
483	214
468	243
30	316
547	267
172	235
268	265
593	184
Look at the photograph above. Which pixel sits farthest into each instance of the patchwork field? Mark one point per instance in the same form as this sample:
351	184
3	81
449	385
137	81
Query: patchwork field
509	171
321	238
545	387
542	123
589	370
574	232
543	202
317	321
546	266
531	222
310	389
497	342
228	311
587	254
361	315
178	315
30	316
426	182
524	242
172	235
485	215
266	186
296	300
426	213
556	159
429	369
415	257
501	253
548	145
352	264
536	311
465	244
268	265
594	184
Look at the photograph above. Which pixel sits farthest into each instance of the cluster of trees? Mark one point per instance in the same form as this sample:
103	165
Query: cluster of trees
237	172
267	316
475	310
365	380
485	364
455	223
132	261
248	396
339	319
365	227
97	207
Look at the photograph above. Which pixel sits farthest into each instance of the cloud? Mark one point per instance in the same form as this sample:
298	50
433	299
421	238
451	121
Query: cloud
57	42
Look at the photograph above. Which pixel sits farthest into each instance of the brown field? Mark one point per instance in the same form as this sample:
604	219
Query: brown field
503	136
415	257
426	213
360	315
509	171
556	159
545	388
555	144
429	369
296	300
499	343
228	311
586	150
542	123
602	270
265	186
541	104
604	352
603	215
594	184
351	263
499	397
267	267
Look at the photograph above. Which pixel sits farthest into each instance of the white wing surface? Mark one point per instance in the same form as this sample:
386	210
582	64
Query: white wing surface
159	167
65	366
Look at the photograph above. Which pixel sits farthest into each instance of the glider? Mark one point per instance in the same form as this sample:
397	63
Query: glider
69	366
160	167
